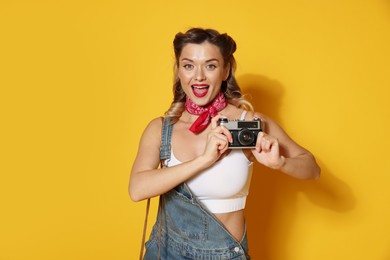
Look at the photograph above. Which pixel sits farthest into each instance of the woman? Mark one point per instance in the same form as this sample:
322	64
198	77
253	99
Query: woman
205	184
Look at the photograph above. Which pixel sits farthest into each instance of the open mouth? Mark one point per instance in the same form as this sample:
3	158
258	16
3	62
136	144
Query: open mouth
200	90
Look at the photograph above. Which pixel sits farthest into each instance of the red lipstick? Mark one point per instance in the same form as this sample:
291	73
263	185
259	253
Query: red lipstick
200	90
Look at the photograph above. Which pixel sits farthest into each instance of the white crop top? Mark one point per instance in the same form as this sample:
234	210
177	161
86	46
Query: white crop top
224	186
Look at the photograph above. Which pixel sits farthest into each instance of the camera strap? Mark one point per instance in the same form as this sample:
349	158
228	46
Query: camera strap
165	155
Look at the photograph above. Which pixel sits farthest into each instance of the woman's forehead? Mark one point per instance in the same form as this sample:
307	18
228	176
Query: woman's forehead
202	51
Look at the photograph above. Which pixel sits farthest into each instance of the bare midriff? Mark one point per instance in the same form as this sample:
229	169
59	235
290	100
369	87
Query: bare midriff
234	222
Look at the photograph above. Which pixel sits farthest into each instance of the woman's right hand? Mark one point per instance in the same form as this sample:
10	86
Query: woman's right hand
218	140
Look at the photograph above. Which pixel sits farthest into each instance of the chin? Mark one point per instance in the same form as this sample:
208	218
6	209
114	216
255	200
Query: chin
202	101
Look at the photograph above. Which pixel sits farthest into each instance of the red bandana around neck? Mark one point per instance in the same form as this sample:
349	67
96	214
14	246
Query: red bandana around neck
205	113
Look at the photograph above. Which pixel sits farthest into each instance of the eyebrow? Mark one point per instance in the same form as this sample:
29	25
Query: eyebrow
210	60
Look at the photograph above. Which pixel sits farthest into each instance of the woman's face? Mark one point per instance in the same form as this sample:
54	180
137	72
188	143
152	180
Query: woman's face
201	70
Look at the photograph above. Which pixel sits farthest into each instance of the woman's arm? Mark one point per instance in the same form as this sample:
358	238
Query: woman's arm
275	149
147	180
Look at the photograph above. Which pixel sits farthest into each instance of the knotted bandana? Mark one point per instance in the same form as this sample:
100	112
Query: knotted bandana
205	113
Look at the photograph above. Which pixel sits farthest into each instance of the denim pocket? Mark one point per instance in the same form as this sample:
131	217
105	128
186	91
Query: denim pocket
187	219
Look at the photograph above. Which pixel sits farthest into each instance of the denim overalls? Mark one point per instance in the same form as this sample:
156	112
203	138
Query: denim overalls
184	229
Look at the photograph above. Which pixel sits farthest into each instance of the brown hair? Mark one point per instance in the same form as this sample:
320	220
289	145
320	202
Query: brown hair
227	47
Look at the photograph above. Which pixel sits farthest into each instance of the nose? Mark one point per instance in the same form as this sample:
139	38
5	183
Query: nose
199	76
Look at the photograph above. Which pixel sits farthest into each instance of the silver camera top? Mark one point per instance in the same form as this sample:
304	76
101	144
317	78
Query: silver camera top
255	124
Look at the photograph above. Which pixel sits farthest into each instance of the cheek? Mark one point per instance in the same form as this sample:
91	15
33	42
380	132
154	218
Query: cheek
217	77
184	76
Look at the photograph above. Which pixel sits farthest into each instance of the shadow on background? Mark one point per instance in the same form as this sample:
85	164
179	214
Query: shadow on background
271	206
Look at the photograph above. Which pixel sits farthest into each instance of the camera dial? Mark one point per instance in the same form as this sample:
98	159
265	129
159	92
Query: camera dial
223	120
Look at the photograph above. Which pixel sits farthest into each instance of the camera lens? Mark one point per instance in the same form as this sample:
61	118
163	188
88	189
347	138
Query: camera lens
246	137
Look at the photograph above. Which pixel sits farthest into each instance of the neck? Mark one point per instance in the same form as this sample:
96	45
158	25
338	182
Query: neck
187	117
218	103
204	113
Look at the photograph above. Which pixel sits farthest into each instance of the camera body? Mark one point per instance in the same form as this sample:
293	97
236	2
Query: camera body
244	133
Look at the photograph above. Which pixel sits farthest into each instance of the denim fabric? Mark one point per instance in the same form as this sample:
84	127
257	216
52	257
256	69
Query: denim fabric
188	231
166	136
184	229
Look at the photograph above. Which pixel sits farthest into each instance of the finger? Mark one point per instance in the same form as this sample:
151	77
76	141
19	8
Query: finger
218	130
227	133
224	131
218	139
266	144
218	142
259	141
223	141
270	142
223	144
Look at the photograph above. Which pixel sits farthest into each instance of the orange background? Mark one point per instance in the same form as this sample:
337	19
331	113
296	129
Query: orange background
81	79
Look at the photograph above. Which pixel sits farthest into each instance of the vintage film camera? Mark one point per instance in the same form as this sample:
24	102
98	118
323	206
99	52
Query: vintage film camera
244	133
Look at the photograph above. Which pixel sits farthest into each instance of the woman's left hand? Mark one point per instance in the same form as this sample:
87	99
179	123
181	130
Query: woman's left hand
267	151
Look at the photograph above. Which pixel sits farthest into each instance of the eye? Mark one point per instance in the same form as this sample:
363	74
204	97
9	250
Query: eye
188	66
211	66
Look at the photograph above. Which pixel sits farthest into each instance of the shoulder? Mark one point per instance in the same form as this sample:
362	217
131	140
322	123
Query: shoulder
149	146
250	115
153	129
234	113
267	122
155	123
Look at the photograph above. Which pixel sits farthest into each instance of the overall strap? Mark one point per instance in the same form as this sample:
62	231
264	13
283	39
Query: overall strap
165	148
165	155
